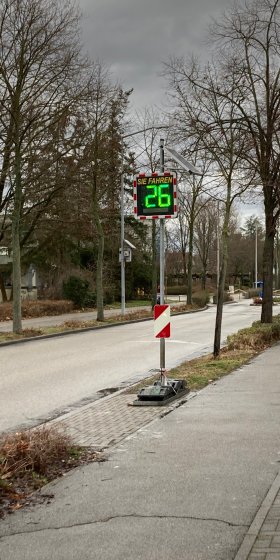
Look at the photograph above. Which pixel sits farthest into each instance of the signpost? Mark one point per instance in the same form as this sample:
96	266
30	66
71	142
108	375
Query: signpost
155	197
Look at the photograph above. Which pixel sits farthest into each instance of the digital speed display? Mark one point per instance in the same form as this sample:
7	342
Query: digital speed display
155	196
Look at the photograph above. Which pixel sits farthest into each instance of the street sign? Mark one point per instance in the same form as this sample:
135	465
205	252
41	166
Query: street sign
155	196
162	321
127	254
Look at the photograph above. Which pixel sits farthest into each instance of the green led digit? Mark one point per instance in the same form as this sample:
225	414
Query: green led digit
150	199
164	198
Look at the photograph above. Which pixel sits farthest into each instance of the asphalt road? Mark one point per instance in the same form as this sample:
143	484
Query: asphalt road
43	377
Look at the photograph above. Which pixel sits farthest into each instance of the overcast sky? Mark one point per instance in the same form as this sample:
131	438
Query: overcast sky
133	37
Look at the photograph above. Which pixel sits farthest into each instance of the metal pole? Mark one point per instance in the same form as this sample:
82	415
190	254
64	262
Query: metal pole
256	255
122	242
162	340
122	210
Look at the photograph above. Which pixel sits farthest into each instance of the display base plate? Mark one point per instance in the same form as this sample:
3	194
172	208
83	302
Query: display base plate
163	402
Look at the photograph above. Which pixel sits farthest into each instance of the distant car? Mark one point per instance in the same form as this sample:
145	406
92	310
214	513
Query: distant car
158	299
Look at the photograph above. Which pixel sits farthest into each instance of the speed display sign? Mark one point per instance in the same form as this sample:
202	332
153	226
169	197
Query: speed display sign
155	196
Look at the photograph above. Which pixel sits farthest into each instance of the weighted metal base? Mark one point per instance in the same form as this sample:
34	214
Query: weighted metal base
164	402
161	395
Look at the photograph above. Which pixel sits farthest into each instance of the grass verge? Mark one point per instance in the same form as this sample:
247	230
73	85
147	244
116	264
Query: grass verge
241	348
32	458
204	370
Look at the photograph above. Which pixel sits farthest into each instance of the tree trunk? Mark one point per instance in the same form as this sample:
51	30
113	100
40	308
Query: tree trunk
17	323
6	151
2	288
99	264
277	284
268	261
185	274
203	279
190	264
221	286
268	254
203	258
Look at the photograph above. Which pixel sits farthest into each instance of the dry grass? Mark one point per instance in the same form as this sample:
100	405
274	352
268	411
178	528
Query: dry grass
38	308
43	308
26	333
31	458
36	450
258	337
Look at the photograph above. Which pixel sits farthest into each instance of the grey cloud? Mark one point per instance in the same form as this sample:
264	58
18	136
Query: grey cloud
133	37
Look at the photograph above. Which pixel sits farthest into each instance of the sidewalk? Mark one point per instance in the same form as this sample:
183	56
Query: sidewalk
185	486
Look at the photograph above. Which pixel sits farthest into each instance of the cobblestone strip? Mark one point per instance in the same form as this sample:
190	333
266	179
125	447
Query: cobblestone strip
107	421
262	541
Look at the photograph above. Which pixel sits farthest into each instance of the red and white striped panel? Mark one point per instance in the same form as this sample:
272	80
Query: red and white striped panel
162	321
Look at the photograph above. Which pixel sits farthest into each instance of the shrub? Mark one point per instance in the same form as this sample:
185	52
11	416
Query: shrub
227	297
45	307
254	292
257	337
176	290
109	295
200	298
275	329
76	290
90	300
36	308
32	450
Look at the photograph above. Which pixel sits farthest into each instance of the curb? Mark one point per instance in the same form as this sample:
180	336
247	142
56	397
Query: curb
257	522
87	329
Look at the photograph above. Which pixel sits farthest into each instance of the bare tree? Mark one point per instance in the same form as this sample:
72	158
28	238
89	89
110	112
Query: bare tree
182	234
204	236
191	204
242	250
246	59
40	78
103	121
250	38
209	124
